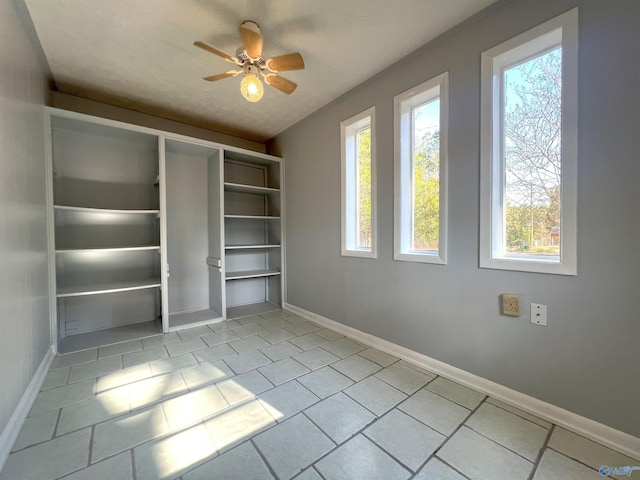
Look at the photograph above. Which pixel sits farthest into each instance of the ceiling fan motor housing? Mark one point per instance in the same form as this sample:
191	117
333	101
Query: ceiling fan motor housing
244	58
251	25
250	69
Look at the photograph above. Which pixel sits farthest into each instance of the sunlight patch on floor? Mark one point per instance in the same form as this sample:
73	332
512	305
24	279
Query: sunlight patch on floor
173	455
238	423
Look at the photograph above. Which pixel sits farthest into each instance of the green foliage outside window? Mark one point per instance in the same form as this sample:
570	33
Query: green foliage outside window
364	188
426	192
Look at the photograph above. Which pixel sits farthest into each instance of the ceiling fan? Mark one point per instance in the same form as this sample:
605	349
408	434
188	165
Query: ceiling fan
253	65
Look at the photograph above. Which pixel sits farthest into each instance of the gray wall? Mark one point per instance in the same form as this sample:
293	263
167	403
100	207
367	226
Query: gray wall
587	359
24	318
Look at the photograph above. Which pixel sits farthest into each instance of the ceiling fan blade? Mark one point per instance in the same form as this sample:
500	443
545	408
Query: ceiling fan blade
220	76
251	39
281	83
283	63
215	51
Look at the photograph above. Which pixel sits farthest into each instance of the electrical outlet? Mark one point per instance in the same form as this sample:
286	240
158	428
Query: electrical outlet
539	314
511	304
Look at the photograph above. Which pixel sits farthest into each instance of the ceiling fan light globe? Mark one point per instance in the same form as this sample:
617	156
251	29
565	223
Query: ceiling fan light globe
251	88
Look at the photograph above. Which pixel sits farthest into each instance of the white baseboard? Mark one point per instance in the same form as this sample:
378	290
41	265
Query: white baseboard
602	434
12	430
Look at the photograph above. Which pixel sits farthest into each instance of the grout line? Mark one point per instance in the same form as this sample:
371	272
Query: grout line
166	418
231	346
520	416
575	459
336	447
43	441
397	388
303	386
368	409
310	468
393	457
597	443
367	425
335	444
335	370
382	367
67	377
91	439
184	381
499	444
134	472
452	468
452	401
313	467
229	367
50	440
536	463
261	455
55	428
447	437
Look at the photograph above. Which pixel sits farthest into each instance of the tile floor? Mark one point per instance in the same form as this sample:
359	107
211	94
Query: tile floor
276	396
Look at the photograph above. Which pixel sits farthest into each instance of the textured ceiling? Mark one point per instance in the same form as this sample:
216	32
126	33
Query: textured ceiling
140	53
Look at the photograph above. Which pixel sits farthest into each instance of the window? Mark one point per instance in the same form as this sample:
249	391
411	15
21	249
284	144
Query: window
529	150
420	224
359	185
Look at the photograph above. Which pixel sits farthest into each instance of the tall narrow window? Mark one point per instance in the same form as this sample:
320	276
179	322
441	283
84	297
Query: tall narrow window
529	151
420	172
358	185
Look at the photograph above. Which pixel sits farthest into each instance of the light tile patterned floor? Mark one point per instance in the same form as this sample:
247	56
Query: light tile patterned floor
276	396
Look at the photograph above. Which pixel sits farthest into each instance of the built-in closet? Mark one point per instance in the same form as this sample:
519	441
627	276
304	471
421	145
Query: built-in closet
154	232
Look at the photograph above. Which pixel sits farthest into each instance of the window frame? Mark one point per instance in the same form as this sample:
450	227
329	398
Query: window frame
349	129
404	104
559	31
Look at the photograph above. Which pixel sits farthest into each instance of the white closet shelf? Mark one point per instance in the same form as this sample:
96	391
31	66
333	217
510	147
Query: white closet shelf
252	246
258	217
243	188
250	274
99	338
113	249
250	309
179	321
111	287
101	210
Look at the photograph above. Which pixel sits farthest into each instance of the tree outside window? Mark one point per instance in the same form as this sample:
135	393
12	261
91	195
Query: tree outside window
532	151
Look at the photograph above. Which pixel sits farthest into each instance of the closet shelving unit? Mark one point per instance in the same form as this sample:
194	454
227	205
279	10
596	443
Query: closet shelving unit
253	234
106	232
154	232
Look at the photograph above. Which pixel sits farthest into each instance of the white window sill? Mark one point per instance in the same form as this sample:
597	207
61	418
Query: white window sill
422	257
361	253
529	263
